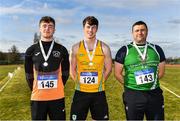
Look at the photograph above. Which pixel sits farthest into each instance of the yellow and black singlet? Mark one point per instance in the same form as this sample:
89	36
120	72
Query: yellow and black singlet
90	74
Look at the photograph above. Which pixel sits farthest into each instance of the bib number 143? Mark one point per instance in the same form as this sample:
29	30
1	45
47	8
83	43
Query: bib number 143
144	77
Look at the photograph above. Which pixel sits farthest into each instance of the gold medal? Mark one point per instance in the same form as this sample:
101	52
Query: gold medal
90	63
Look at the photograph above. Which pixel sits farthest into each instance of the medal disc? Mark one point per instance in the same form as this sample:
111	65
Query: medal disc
45	64
90	63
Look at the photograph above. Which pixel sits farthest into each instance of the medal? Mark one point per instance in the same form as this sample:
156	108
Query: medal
143	61
90	56
46	57
45	64
90	63
142	55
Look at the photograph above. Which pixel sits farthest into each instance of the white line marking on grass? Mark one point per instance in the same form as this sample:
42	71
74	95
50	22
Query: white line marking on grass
10	77
170	91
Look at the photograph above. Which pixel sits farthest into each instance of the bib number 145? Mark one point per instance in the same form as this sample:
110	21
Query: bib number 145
47	84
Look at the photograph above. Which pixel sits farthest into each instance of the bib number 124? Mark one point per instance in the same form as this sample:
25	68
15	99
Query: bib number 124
89	77
89	80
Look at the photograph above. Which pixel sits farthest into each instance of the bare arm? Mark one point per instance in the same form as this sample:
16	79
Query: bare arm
118	72
107	61
73	61
161	69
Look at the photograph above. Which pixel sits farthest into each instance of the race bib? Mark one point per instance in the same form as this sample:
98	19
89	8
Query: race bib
47	81
89	77
144	76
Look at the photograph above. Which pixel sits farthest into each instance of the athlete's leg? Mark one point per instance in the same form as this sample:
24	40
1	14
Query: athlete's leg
80	106
39	110
56	109
135	104
99	107
155	106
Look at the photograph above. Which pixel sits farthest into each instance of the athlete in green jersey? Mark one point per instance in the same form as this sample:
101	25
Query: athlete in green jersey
144	65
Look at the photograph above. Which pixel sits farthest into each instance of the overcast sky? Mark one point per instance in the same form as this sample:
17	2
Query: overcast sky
19	21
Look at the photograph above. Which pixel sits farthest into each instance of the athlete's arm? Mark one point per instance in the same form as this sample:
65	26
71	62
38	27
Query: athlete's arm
73	61
161	69
28	65
107	60
162	61
118	72
119	63
65	66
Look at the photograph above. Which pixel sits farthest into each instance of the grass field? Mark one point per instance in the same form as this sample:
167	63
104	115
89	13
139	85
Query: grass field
4	69
15	98
4	72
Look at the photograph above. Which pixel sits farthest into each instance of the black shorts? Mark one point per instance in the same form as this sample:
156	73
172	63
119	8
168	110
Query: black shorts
55	109
140	103
83	101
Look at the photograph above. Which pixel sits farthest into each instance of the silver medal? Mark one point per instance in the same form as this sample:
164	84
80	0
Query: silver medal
142	55
45	64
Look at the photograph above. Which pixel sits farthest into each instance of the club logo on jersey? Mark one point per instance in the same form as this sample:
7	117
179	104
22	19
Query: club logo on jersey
36	54
81	54
84	63
99	55
56	54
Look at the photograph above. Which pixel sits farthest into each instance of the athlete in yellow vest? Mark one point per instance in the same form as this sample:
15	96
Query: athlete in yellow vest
91	64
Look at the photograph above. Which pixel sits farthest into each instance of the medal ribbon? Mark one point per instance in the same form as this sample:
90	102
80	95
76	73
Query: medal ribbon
143	55
90	56
49	51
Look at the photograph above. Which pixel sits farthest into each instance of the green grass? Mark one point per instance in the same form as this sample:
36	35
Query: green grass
15	98
4	69
171	80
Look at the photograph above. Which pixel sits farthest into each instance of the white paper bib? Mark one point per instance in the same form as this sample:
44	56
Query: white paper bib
47	81
144	76
89	77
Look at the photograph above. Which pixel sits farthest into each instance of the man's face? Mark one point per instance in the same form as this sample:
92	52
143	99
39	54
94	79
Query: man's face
90	31
47	30
139	33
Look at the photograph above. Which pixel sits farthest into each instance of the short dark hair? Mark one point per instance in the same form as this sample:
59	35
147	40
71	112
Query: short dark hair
47	19
91	20
139	23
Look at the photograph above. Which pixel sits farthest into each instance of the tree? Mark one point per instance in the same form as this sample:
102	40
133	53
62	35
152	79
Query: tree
36	37
2	56
13	55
